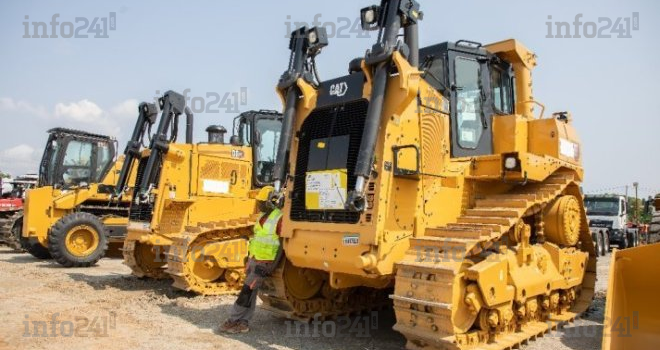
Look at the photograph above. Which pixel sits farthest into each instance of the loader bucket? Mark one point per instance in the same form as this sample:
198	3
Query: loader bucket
632	309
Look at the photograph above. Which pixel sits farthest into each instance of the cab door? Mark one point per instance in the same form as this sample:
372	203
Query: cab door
471	105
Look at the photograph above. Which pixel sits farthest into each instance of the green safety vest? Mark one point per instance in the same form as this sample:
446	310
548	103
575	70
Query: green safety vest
265	243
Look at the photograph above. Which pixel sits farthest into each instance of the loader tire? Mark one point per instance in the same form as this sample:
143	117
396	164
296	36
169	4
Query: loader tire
35	249
78	240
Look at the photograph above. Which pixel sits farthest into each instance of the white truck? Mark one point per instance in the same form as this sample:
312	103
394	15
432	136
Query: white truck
608	222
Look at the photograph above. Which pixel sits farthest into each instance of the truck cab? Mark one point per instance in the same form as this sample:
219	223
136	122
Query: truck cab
608	222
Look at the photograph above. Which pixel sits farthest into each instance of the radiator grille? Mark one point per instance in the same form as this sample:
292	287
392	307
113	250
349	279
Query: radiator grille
347	119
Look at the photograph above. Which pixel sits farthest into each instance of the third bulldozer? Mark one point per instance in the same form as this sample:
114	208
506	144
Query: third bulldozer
426	177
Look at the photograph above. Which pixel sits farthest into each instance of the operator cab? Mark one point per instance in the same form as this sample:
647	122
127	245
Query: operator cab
479	86
260	130
75	158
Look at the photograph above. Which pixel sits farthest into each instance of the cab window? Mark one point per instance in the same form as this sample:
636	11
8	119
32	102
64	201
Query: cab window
268	134
103	158
468	102
501	91
76	165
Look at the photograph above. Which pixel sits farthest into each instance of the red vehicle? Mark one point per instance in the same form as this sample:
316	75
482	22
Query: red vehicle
11	210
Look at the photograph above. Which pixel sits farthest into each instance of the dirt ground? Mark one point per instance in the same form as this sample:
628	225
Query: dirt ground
106	307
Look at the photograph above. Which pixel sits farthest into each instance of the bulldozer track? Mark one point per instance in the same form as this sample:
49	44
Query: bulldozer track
424	303
331	304
134	260
181	259
7	223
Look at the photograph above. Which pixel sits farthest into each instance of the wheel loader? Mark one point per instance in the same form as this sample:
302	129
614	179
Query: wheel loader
70	216
427	179
194	204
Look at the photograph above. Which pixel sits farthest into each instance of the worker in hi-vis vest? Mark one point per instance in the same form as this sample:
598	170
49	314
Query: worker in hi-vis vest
265	252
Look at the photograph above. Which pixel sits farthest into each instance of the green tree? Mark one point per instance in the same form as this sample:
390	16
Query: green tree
644	215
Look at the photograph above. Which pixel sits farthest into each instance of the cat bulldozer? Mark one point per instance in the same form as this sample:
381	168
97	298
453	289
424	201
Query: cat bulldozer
632	311
194	204
69	216
426	179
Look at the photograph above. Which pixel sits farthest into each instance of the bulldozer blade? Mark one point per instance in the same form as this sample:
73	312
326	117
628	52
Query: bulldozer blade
632	311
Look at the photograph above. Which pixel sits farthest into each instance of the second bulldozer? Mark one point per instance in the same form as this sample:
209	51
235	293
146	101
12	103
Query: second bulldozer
194	205
425	177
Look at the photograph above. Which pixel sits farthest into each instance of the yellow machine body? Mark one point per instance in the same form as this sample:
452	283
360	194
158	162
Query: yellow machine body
204	207
451	235
198	184
44	206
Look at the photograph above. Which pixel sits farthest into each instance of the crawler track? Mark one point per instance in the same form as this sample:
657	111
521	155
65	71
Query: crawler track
428	291
191	271
8	234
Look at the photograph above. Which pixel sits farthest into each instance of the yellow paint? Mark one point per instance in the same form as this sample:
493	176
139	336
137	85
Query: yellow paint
632	312
44	206
81	240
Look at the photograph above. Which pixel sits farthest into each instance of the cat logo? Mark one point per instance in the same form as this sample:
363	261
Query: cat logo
339	89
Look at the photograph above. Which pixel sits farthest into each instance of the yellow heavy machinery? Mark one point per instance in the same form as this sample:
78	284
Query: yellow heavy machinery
425	177
70	216
632	312
194	205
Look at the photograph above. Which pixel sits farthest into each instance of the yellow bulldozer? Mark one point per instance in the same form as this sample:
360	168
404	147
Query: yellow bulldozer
426	177
632	311
71	216
194	204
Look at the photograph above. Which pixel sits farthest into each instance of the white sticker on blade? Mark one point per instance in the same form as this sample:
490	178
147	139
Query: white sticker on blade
351	240
214	186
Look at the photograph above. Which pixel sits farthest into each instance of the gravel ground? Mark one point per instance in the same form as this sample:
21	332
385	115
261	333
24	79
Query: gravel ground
105	306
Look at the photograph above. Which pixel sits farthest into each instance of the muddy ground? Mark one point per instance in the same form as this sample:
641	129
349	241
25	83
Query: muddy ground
106	307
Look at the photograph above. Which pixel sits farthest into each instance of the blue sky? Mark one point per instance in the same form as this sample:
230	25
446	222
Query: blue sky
219	47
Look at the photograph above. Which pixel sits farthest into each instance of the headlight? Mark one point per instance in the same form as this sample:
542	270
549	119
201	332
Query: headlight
369	17
312	37
317	38
510	163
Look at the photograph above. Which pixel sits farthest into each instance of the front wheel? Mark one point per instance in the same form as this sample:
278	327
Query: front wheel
599	244
78	240
626	242
35	249
607	242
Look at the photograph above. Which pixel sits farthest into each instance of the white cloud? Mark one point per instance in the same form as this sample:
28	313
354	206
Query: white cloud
83	111
88	116
116	121
126	109
19	159
18	152
8	104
